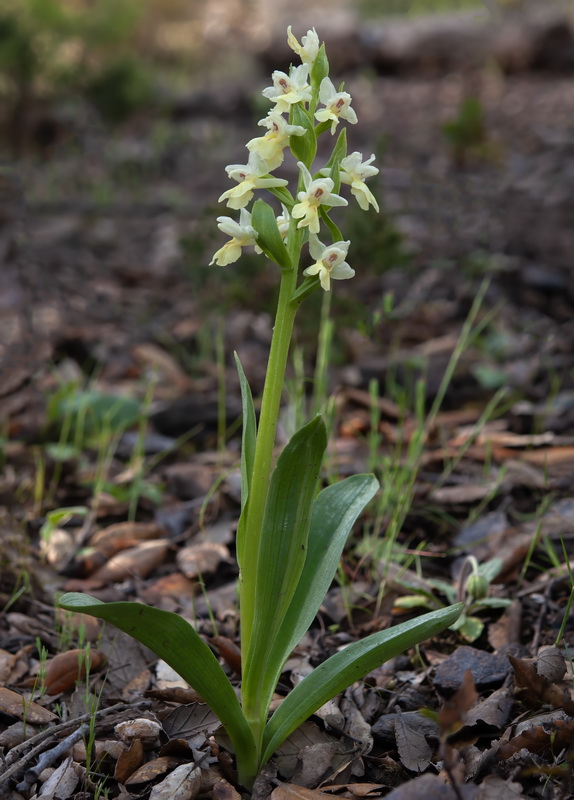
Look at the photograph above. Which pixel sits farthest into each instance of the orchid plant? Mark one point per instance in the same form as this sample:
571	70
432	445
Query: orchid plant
290	536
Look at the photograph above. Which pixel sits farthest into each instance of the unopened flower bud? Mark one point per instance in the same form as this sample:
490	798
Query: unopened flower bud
477	586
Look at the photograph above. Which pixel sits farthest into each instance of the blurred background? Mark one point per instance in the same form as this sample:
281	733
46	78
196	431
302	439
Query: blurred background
117	119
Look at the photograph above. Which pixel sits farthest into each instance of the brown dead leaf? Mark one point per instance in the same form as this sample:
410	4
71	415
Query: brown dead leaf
184	783
415	751
358	789
507	627
175	694
224	791
556	736
432	787
229	651
62	782
551	664
290	791
201	559
15	705
136	561
469	493
174	586
129	760
536	690
452	714
490	714
152	770
75	620
124	534
65	669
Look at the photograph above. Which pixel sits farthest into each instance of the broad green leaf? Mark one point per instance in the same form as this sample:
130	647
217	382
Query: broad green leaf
249	433
268	236
470	628
281	556
175	641
304	148
334	513
346	667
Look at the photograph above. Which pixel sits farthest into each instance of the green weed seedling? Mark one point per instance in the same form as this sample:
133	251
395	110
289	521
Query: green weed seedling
290	538
472	589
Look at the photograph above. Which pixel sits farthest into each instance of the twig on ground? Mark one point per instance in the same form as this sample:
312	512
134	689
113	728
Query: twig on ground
40	741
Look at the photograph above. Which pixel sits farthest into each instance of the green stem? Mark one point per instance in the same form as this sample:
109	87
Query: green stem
263	459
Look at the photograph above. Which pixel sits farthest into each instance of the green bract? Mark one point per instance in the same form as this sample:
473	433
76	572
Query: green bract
290	537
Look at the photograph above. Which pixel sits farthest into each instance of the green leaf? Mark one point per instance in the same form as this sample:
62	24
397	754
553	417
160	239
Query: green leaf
175	641
319	70
249	433
336	234
281	557
307	287
94	412
283	195
346	667
470	628
409	601
304	148
490	568
268	236
491	602
338	154
335	511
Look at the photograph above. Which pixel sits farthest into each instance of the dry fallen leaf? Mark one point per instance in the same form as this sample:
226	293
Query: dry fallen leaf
152	770
135	561
183	783
61	783
129	760
452	714
535	689
65	669
15	705
224	791
290	791
415	751
539	738
202	558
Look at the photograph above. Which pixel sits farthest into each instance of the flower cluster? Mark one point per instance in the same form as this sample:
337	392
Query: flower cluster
305	104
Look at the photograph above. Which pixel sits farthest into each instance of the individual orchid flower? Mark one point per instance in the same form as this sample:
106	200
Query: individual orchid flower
353	171
283	221
317	193
250	176
329	262
308	48
337	105
270	147
289	89
242	234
